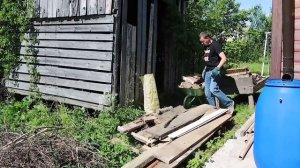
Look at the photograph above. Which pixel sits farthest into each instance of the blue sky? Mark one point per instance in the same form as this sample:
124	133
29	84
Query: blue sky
266	4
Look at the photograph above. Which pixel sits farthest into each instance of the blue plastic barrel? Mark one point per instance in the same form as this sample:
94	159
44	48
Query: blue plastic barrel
277	125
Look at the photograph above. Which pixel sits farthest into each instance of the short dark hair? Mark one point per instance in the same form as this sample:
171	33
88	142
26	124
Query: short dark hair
204	35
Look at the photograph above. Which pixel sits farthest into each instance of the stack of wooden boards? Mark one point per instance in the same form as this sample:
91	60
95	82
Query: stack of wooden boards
194	82
172	134
247	130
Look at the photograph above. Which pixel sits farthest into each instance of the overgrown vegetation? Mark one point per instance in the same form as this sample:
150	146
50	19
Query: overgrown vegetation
14	21
241	32
96	129
243	112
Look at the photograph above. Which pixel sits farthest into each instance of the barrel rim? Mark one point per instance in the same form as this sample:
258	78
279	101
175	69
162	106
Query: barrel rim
281	83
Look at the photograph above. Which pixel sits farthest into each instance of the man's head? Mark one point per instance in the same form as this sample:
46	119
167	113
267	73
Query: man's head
205	38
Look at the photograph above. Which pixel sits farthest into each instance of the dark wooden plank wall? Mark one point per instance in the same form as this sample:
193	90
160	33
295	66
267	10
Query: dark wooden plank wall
74	61
71	8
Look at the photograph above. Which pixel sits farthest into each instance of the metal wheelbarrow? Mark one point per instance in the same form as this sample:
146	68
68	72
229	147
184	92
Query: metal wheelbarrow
192	97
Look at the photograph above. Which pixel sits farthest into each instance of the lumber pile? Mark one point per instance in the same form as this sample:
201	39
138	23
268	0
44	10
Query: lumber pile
173	134
192	82
248	131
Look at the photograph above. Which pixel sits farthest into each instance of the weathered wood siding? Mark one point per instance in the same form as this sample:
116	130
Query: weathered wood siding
74	60
297	40
71	8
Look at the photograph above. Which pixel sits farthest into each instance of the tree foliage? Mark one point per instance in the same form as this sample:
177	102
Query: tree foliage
241	32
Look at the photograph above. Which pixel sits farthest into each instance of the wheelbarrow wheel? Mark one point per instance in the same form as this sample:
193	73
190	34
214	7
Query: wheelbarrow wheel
190	101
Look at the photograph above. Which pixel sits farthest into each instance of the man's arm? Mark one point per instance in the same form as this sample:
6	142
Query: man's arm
223	59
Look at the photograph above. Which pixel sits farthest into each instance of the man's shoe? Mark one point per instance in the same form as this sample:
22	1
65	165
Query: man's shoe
231	108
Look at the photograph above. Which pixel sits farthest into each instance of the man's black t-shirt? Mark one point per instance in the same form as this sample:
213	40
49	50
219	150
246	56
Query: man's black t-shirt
211	56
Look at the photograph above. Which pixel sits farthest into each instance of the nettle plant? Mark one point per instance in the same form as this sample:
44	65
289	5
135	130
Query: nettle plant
15	28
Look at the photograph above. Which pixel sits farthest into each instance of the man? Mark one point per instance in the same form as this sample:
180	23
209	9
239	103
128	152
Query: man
214	59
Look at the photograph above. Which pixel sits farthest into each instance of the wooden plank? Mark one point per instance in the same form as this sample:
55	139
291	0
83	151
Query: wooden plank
132	68
60	99
155	22
150	41
297	24
276	39
92	20
101	7
246	148
83	7
132	126
288	32
69	73
297	3
247	124
108	28
143	139
183	119
237	70
50	9
250	129
297	75
108	7
54	8
73	36
144	36
62	92
73	63
153	164
59	12
127	68
76	54
92	7
65	8
297	35
184	156
124	48
176	148
44	9
78	84
141	46
74	8
202	121
84	45
297	46
297	13
297	56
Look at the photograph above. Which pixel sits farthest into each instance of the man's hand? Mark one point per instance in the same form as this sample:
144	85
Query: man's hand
215	72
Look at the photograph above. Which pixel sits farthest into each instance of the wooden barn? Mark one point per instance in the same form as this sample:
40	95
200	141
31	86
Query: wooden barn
91	52
286	39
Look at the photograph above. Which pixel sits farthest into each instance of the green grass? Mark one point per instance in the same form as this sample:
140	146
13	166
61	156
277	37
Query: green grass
97	129
100	130
243	112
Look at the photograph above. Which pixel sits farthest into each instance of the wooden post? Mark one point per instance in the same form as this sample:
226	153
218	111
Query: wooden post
117	51
154	36
276	40
150	41
251	100
141	44
123	51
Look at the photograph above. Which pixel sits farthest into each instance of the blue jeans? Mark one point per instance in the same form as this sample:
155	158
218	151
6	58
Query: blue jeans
212	90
